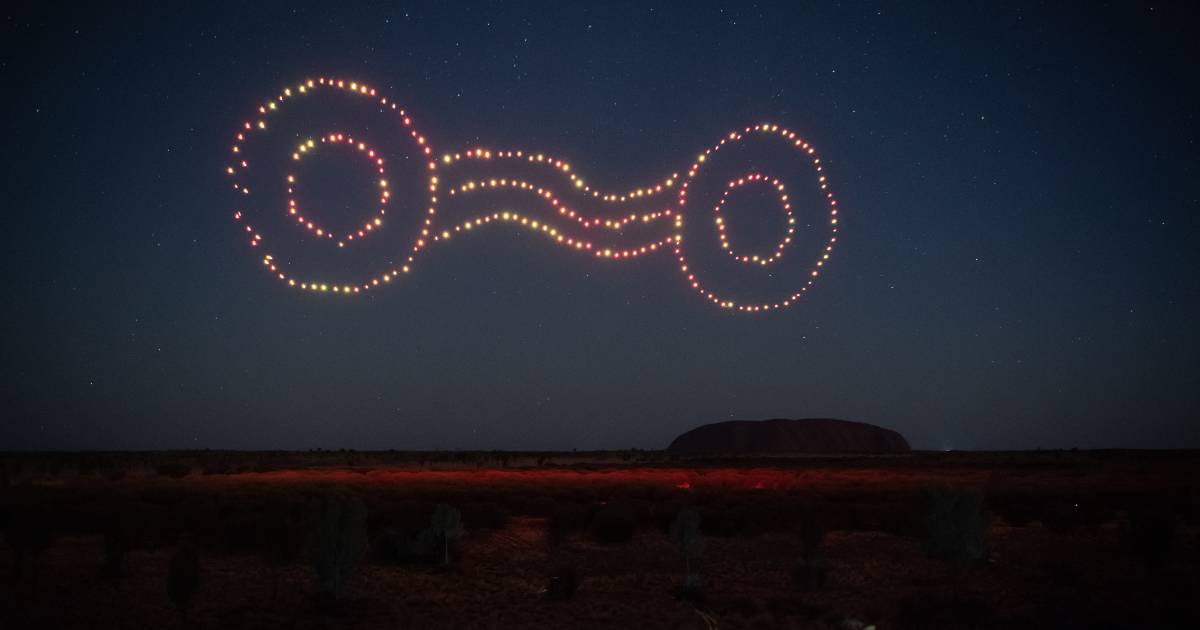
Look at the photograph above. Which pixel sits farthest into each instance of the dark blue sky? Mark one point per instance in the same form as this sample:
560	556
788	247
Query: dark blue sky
1017	265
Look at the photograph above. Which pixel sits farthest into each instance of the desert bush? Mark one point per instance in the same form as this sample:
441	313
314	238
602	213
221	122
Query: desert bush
266	465
563	582
406	534
486	515
28	532
277	544
567	518
1150	535
811	568
337	533
534	506
240	532
1016	512
404	546
614	523
916	610
217	468
114	473
685	533
446	525
956	525
277	540
116	547
738	517
842	515
174	470
970	611
183	577
1064	516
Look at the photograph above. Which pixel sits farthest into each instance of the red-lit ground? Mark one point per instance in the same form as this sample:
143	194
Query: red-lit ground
1066	544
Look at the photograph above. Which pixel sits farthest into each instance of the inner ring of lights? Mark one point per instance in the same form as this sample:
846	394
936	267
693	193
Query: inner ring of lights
294	210
787	210
567	226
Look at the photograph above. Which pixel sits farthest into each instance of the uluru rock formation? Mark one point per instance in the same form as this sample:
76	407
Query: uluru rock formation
808	435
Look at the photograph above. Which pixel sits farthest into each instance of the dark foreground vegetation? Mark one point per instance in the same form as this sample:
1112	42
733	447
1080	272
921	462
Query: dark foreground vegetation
598	540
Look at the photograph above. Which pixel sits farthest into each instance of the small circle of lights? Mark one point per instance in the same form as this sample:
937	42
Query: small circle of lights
787	210
561	223
309	146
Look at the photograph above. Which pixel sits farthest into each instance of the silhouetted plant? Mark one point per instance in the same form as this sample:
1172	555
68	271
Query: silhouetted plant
115	473
811	568
614	524
486	515
956	525
337	534
116	547
564	581
1064	603
917	610
971	611
174	470
183	577
1017	512
685	533
446	524
566	517
1151	533
219	467
28	533
239	531
276	544
408	545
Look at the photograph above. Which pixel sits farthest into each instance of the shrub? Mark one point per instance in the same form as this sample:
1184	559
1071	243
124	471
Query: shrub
217	468
174	470
1016	512
240	532
337	533
183	577
115	473
564	581
956	525
1150	535
116	546
486	515
971	611
446	524
811	569
685	533
276	538
277	544
614	524
410	545
27	531
566	518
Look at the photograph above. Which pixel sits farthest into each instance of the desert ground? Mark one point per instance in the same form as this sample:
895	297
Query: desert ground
344	539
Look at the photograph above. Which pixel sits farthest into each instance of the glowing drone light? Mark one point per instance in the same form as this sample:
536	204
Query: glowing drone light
293	209
563	224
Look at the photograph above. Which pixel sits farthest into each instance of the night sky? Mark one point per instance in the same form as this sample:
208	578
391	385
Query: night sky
1016	266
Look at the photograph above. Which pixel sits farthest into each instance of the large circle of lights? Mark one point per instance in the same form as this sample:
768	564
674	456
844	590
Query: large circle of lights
632	224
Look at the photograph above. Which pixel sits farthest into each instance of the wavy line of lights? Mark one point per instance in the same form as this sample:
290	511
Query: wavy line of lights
598	246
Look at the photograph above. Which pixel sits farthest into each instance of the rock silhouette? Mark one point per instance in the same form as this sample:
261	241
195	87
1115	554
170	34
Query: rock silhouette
809	435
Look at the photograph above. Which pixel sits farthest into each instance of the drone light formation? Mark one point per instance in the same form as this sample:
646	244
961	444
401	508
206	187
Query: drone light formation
562	221
384	194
